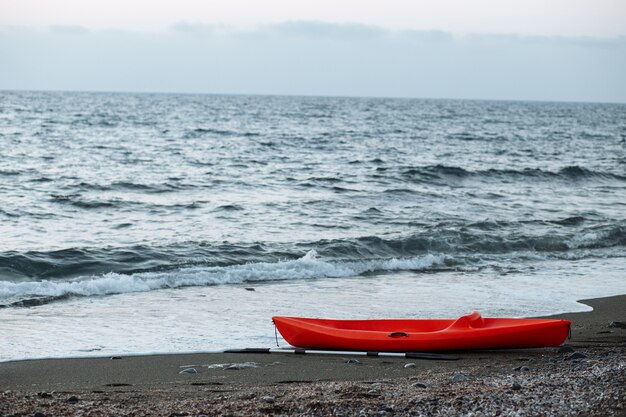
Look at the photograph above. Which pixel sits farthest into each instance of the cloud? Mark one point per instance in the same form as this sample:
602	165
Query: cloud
69	29
199	28
336	31
313	58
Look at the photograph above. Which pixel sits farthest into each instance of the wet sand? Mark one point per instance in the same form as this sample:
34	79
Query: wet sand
586	378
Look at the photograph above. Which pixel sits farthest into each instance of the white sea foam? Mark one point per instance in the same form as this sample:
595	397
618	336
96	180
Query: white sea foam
310	266
584	240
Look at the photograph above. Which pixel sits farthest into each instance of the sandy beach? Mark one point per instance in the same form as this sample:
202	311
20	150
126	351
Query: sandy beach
586	377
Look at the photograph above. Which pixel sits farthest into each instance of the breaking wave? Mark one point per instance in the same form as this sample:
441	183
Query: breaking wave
307	267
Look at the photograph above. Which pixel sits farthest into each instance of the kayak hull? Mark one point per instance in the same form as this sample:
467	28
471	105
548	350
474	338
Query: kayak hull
468	332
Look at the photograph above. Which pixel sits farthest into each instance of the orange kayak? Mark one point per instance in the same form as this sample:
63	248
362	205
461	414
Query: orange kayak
467	332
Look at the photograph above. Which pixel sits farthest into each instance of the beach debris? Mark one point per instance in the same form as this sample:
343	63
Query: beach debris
565	349
420	385
353	361
234	365
115	357
270	399
72	399
516	386
243	365
410	365
617	325
575	356
43	394
460	377
522	368
188	371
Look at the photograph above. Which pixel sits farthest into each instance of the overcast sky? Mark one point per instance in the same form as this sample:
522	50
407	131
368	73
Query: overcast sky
532	50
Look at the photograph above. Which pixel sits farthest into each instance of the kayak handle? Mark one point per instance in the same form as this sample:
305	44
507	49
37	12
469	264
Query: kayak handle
396	334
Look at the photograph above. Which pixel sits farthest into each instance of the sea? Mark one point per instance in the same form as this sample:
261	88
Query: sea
160	223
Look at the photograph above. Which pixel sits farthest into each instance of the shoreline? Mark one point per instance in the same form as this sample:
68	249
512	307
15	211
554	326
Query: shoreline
585	378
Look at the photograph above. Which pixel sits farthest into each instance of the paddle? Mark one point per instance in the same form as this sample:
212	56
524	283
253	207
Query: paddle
410	355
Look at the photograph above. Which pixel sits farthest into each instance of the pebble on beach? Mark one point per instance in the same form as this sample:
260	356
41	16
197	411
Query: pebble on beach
575	356
460	377
270	399
410	365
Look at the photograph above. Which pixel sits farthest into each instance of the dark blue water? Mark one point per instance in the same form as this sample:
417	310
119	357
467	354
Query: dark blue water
140	184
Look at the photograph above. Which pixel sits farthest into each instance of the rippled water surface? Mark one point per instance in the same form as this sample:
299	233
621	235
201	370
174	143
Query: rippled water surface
107	196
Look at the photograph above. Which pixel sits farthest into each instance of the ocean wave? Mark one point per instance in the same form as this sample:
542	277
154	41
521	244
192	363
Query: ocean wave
131	186
204	131
443	172
83	203
458	242
310	266
488	238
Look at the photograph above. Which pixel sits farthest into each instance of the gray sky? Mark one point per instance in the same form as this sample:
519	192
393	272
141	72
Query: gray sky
563	50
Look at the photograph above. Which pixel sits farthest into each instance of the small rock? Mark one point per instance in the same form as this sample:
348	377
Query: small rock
566	349
460	377
43	394
617	325
189	371
576	355
115	357
270	399
410	365
39	414
72	399
420	385
353	361
516	386
250	289
522	368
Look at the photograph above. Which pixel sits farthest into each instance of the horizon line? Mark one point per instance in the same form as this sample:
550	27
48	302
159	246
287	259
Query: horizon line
22	90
